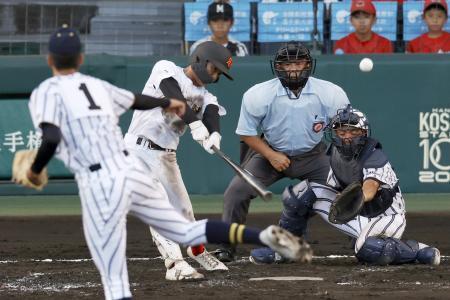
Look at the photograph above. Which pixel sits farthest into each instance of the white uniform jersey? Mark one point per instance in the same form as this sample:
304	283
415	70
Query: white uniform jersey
163	128
387	178
86	110
241	49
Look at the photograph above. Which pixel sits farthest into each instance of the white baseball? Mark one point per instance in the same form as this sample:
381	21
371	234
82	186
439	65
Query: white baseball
366	65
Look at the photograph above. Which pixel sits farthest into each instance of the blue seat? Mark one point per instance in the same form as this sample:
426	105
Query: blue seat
282	22
233	2
386	24
196	25
413	24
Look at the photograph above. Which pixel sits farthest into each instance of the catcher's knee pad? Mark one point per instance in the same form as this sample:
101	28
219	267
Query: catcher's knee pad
298	201
387	250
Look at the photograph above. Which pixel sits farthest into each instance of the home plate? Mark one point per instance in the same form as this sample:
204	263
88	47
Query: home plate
287	278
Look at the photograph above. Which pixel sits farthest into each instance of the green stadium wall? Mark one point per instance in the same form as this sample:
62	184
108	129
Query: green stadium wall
406	98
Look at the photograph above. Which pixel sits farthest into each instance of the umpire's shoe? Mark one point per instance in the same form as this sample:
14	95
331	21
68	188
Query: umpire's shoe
225	254
266	255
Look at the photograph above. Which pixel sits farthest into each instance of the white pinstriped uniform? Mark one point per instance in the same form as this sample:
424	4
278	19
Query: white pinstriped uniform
120	186
390	223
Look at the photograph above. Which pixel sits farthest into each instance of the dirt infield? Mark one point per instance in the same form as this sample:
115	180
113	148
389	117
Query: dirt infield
46	258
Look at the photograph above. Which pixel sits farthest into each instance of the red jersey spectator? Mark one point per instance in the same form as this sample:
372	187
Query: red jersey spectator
363	39
436	40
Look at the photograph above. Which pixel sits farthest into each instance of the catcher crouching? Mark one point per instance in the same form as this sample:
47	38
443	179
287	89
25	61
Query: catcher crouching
362	198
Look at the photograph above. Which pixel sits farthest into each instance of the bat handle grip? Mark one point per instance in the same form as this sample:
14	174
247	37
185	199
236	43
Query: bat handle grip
215	149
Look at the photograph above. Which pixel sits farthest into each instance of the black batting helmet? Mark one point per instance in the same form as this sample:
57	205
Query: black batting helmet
291	52
214	53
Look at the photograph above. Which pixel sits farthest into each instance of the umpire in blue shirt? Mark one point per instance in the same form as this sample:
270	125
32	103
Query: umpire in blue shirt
290	111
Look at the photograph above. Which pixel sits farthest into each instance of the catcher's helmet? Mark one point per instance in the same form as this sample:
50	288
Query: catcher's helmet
293	52
212	52
346	119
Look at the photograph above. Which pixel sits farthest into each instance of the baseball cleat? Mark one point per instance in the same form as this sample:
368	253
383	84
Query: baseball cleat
225	254
207	261
286	244
429	255
181	270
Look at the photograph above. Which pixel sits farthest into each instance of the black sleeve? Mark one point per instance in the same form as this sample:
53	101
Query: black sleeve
211	118
51	136
144	102
171	89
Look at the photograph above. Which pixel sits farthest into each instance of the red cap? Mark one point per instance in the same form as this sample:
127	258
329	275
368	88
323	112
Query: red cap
443	3
363	5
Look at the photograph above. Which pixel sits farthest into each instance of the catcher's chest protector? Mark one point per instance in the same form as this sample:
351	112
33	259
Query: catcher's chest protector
347	172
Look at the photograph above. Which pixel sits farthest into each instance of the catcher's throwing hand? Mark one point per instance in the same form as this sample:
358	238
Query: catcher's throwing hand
347	205
22	173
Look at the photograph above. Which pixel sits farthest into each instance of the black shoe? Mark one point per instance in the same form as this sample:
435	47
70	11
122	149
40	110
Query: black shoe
225	254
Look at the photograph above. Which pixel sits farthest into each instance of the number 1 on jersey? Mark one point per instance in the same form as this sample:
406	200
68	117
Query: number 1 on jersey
85	90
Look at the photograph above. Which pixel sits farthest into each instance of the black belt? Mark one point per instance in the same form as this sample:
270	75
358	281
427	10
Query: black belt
152	145
96	167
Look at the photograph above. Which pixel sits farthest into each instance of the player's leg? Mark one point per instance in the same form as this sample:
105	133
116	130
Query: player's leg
150	205
164	166
173	183
104	209
238	195
379	243
151	161
299	202
177	267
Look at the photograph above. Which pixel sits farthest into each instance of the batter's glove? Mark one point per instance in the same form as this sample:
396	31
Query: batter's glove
213	140
199	131
347	205
22	162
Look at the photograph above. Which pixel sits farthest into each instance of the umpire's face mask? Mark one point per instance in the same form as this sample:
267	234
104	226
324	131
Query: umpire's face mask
293	74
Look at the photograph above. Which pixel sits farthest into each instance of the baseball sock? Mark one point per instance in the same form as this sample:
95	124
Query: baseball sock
218	232
196	250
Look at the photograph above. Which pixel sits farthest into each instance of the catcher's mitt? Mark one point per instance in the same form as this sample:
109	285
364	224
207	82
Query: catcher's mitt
22	162
347	204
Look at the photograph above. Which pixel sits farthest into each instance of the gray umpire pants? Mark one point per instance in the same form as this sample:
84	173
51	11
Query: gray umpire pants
313	165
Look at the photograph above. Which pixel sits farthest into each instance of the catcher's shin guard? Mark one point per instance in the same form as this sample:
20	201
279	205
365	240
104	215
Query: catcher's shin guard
298	201
387	250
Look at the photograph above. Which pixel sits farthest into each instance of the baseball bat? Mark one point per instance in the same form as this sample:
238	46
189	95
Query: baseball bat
265	194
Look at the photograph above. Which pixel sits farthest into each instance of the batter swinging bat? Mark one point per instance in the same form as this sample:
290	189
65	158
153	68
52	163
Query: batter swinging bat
265	194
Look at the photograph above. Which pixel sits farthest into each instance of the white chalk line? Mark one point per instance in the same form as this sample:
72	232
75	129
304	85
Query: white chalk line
81	260
287	278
